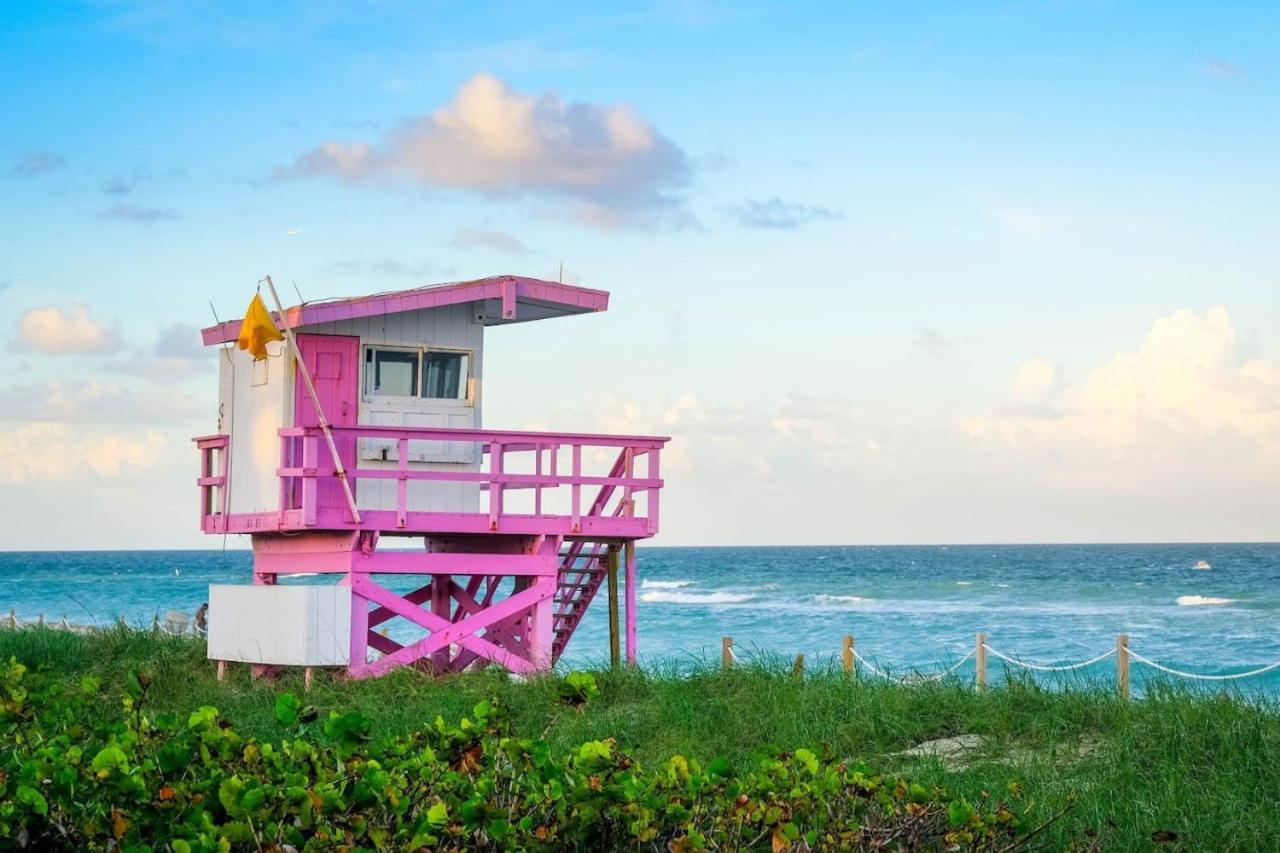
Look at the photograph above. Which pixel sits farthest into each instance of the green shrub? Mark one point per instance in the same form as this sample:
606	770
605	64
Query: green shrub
190	782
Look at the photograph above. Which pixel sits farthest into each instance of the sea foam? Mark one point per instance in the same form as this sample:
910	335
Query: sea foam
678	597
648	584
1202	600
840	599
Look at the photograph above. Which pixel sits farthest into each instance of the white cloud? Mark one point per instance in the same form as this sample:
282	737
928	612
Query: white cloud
491	139
95	402
54	331
1036	380
1217	67
1019	221
1187	403
44	453
498	241
37	163
141	214
778	215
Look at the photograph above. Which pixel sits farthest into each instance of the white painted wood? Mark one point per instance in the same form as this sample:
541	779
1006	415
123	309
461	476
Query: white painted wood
286	625
254	402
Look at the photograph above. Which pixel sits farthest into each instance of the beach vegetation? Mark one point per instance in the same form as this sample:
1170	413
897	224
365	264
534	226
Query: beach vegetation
101	732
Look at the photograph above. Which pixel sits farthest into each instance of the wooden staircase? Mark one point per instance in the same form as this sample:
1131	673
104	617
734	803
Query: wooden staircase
582	571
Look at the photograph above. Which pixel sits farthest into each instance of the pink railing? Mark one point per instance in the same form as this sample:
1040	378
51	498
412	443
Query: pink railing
543	462
214	463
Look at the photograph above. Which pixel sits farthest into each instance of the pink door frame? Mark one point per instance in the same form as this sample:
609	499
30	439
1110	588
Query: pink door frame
334	362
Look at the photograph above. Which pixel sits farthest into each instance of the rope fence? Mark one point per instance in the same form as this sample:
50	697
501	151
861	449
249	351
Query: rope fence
176	623
854	663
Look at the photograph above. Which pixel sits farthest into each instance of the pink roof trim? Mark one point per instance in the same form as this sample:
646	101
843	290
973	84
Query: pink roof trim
509	290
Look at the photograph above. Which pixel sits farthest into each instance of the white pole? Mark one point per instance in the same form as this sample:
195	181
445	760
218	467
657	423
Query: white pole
315	398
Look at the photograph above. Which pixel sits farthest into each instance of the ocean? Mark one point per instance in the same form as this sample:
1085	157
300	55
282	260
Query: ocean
1212	608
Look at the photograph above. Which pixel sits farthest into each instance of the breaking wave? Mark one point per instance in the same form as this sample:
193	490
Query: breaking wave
678	597
840	599
1202	600
648	584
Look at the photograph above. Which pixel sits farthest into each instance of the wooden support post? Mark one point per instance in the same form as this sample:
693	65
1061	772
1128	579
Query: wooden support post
222	670
615	641
846	654
306	678
629	551
797	669
980	661
726	654
1122	666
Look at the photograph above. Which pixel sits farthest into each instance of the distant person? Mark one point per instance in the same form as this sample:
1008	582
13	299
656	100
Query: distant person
202	617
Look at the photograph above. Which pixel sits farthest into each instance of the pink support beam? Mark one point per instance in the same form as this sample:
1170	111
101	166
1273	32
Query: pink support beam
630	551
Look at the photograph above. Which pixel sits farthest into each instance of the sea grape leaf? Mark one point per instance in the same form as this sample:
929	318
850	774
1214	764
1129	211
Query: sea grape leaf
720	767
287	708
438	815
109	758
32	798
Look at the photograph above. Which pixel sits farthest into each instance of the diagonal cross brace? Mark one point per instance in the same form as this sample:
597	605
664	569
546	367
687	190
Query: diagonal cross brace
444	632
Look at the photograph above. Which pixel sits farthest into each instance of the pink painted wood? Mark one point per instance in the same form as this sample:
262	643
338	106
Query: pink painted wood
508	291
334	362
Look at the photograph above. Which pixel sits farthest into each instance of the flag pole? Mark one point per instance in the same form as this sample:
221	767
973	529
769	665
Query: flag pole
315	399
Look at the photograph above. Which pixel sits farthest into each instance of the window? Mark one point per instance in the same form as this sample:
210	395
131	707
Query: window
432	374
444	375
390	373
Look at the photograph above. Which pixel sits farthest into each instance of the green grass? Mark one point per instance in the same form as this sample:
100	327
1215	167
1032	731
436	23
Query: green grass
1205	766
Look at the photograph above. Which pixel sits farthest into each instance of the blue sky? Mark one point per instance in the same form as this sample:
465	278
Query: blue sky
889	272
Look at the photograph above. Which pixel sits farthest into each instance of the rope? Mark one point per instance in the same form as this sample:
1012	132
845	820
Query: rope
1046	667
1200	677
938	676
870	667
914	677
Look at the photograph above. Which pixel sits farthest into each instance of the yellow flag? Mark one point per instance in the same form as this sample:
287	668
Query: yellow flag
258	329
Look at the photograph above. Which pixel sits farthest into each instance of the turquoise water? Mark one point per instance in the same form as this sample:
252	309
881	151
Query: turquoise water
909	607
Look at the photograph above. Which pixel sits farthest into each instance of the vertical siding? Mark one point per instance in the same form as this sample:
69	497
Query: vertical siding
252	415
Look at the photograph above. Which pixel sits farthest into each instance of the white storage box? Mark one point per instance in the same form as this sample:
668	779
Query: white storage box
302	625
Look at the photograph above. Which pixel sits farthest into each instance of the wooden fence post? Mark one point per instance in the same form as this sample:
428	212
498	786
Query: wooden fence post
726	653
980	661
1122	665
846	654
615	648
797	669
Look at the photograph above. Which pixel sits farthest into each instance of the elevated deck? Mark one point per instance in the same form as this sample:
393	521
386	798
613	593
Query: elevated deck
575	486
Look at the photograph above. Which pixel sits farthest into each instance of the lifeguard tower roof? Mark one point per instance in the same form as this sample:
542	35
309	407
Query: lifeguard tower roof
502	299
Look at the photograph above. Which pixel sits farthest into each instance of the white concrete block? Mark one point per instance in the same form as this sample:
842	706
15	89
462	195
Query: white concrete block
287	625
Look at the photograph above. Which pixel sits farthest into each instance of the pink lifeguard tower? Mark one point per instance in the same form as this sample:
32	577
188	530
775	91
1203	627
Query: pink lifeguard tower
516	531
